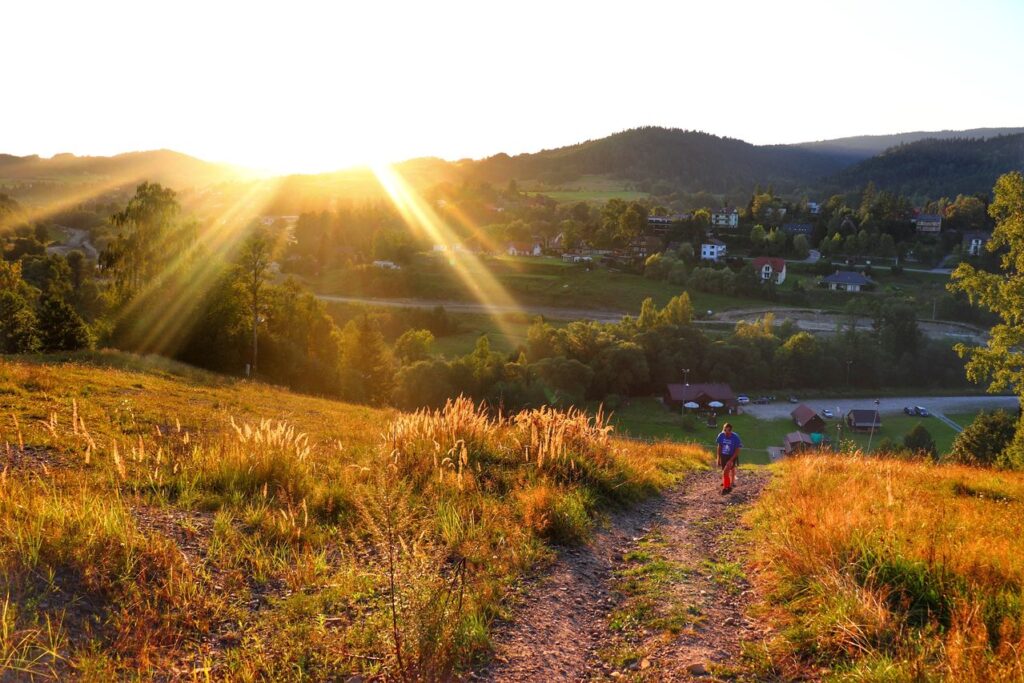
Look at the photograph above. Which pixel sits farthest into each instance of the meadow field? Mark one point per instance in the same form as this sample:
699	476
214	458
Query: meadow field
916	576
160	521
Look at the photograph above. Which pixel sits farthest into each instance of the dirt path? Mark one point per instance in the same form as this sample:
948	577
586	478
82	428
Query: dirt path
657	596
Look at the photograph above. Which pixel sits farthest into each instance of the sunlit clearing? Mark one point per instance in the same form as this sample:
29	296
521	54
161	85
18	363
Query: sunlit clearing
421	217
193	272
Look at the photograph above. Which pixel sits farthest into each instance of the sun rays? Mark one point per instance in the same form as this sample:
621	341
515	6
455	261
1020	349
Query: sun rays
421	217
191	273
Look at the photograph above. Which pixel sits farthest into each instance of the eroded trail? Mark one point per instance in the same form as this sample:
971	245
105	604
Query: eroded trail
658	595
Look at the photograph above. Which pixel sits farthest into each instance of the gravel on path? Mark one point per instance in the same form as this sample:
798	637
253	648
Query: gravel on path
559	630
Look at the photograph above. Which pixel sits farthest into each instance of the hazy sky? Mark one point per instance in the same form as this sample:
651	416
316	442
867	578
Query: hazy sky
306	86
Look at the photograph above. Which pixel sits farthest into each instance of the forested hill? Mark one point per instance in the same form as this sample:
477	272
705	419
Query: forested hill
164	166
858	148
688	159
935	168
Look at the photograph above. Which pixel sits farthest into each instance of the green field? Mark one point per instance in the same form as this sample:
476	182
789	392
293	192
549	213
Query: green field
648	418
588	188
505	333
599	196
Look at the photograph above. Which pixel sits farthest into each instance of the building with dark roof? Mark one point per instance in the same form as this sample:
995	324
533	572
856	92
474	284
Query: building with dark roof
795	442
701	394
929	223
797	228
864	420
807	419
847	281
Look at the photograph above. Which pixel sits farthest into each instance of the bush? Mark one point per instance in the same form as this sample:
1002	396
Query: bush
919	440
984	441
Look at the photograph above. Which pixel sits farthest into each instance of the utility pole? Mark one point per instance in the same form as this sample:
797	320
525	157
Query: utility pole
848	364
686	376
871	434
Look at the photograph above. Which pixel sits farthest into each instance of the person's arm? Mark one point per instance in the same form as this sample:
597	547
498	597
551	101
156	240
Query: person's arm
738	446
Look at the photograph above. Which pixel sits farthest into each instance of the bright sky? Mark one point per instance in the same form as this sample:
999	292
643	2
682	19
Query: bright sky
311	86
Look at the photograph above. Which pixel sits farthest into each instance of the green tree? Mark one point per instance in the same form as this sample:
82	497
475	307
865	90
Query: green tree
60	327
253	266
18	325
367	371
678	311
413	346
801	247
1001	360
151	235
984	440
919	440
649	316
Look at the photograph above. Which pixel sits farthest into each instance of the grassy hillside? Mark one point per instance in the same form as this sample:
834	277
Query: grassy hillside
155	520
917	575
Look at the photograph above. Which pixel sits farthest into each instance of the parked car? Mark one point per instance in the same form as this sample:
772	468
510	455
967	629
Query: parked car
763	401
743	400
922	411
794	399
826	413
910	410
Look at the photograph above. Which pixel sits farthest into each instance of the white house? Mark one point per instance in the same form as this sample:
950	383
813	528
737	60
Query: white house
524	249
770	268
975	241
387	265
712	250
725	218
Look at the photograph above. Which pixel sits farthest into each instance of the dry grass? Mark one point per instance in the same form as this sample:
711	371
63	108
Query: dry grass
156	520
887	570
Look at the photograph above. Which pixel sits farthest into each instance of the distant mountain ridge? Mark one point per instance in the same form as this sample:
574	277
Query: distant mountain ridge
164	166
927	164
938	167
861	147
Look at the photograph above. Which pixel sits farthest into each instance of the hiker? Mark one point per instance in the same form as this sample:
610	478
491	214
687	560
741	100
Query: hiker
729	446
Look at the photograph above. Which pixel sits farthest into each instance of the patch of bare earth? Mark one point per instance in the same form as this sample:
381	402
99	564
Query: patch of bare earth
659	595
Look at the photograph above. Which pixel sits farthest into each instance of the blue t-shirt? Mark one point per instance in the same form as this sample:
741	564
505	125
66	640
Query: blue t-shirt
729	443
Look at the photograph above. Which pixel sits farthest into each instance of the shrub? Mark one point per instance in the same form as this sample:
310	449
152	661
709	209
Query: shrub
919	440
983	441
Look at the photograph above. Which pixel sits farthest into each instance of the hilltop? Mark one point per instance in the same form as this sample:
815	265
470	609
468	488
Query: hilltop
156	520
159	520
655	158
939	167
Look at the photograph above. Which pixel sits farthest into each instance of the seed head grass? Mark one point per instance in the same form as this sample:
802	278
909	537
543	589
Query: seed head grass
879	569
156	521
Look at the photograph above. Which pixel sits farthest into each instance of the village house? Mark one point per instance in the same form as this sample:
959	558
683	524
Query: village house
576	257
661	224
524	249
643	246
797	442
725	218
798	229
807	419
712	249
702	395
847	281
770	268
864	420
814	208
387	265
974	242
929	224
